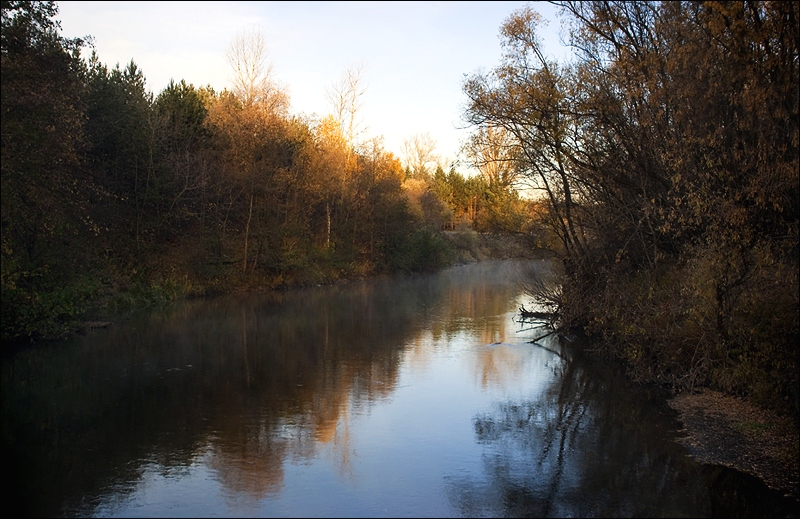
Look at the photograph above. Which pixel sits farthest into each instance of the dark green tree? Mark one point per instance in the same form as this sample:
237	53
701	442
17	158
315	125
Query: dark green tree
182	187
122	129
44	191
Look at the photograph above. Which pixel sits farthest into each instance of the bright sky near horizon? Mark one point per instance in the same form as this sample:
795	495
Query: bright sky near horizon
415	55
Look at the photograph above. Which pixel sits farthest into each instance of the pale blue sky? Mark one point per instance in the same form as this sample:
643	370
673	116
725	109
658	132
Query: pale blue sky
415	54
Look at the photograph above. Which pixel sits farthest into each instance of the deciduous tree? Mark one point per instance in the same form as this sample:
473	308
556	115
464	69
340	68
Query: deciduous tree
420	156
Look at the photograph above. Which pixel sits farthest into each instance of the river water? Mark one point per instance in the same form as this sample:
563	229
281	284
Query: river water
406	397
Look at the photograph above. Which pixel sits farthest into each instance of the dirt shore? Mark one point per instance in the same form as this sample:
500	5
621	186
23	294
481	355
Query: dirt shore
723	430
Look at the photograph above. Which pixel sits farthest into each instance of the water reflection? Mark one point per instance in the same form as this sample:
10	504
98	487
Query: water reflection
588	446
415	396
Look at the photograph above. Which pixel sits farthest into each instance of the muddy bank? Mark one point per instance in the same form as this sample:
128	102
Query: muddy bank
720	429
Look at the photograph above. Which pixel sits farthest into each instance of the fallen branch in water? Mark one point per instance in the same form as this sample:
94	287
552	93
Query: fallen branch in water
534	341
529	314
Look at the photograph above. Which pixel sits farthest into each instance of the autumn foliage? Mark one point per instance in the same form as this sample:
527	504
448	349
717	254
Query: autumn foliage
113	196
667	155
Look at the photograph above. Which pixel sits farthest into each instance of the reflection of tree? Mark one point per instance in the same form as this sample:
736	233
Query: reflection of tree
476	293
307	359
498	365
252	381
584	449
249	461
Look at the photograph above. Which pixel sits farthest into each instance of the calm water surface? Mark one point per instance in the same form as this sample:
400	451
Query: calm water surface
412	396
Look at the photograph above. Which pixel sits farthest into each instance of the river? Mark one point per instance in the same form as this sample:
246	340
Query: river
408	396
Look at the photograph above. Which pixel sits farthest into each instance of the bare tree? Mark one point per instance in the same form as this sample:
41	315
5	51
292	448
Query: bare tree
253	80
346	97
420	156
493	151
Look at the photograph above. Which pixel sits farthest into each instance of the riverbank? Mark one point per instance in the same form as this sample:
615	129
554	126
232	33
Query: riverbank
471	246
172	274
720	429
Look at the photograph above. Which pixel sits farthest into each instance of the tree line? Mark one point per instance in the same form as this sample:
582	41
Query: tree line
111	192
666	153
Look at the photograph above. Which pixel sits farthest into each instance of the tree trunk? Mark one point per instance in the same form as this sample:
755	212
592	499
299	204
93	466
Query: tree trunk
328	235
246	233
